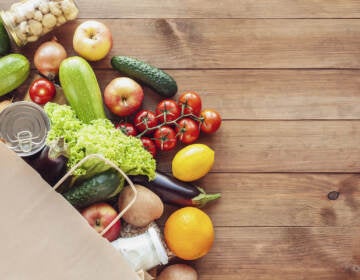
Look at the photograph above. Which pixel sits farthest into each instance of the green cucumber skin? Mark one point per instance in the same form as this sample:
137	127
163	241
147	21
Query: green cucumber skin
151	76
98	188
14	70
81	89
5	44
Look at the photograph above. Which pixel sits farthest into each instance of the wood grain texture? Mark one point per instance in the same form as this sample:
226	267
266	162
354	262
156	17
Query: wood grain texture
263	94
283	146
283	199
220	9
283	253
230	43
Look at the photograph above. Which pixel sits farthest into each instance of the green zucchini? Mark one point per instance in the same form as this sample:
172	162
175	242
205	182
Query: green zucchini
81	89
98	188
14	70
143	72
4	40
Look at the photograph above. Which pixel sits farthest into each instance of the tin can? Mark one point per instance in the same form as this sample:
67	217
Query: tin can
24	127
28	20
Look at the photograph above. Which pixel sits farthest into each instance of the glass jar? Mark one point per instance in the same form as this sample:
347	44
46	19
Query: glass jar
27	20
144	251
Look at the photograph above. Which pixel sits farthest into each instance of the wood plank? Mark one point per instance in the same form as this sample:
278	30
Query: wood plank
221	9
216	9
283	146
283	253
230	43
283	199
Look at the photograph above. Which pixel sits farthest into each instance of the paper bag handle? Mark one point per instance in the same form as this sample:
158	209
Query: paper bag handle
71	171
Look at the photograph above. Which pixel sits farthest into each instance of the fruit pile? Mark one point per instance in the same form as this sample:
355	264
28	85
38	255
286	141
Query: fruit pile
82	127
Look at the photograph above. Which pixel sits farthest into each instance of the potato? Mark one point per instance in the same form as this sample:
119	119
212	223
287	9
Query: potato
178	272
147	207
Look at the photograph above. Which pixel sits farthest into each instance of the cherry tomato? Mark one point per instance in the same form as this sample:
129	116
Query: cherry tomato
191	102
145	119
42	91
210	121
187	130
165	138
149	145
127	128
167	110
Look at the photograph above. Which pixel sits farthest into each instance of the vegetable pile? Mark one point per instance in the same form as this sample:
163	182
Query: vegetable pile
129	136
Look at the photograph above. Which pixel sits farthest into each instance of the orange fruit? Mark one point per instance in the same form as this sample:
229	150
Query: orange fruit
189	233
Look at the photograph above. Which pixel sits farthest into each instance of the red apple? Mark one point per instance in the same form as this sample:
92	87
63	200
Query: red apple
123	96
92	40
99	216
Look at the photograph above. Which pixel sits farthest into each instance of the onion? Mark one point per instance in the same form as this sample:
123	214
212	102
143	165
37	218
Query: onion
48	57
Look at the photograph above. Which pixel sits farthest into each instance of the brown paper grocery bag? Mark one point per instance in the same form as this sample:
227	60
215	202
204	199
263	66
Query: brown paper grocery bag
43	237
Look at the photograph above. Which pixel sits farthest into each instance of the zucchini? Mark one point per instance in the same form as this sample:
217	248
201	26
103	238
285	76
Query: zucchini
14	70
81	89
143	72
4	40
98	188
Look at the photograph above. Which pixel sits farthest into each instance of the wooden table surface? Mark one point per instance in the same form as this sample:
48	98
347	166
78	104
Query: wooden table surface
285	76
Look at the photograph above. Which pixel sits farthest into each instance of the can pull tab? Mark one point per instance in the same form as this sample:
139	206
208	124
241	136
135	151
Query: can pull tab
25	140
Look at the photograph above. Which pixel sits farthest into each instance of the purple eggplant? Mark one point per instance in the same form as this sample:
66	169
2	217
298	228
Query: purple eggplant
51	163
175	192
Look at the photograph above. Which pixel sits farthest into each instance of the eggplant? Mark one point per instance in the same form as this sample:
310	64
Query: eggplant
175	192
52	161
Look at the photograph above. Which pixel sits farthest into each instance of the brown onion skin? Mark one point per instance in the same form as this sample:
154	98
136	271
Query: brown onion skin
48	57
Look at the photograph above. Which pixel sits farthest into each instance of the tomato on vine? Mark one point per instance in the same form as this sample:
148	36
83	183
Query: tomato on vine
165	138
190	102
149	145
187	130
167	110
210	121
144	120
127	128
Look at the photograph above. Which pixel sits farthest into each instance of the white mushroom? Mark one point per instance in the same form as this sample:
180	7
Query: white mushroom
19	15
55	8
60	20
70	10
24	27
49	20
35	27
32	38
44	7
38	15
29	11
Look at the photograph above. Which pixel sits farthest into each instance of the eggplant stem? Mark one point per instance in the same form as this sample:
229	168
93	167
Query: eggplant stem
58	148
203	198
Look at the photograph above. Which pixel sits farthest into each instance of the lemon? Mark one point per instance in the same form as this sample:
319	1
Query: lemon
192	162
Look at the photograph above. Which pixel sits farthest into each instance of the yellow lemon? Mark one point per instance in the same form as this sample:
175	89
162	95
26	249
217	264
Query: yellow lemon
192	162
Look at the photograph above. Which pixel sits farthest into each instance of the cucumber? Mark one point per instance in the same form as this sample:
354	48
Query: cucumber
81	89
4	40
98	188
143	72
14	70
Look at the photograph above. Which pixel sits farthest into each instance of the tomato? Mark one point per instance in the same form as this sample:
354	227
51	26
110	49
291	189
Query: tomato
190	101
149	145
167	110
42	91
165	138
192	162
187	130
127	128
210	121
145	119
